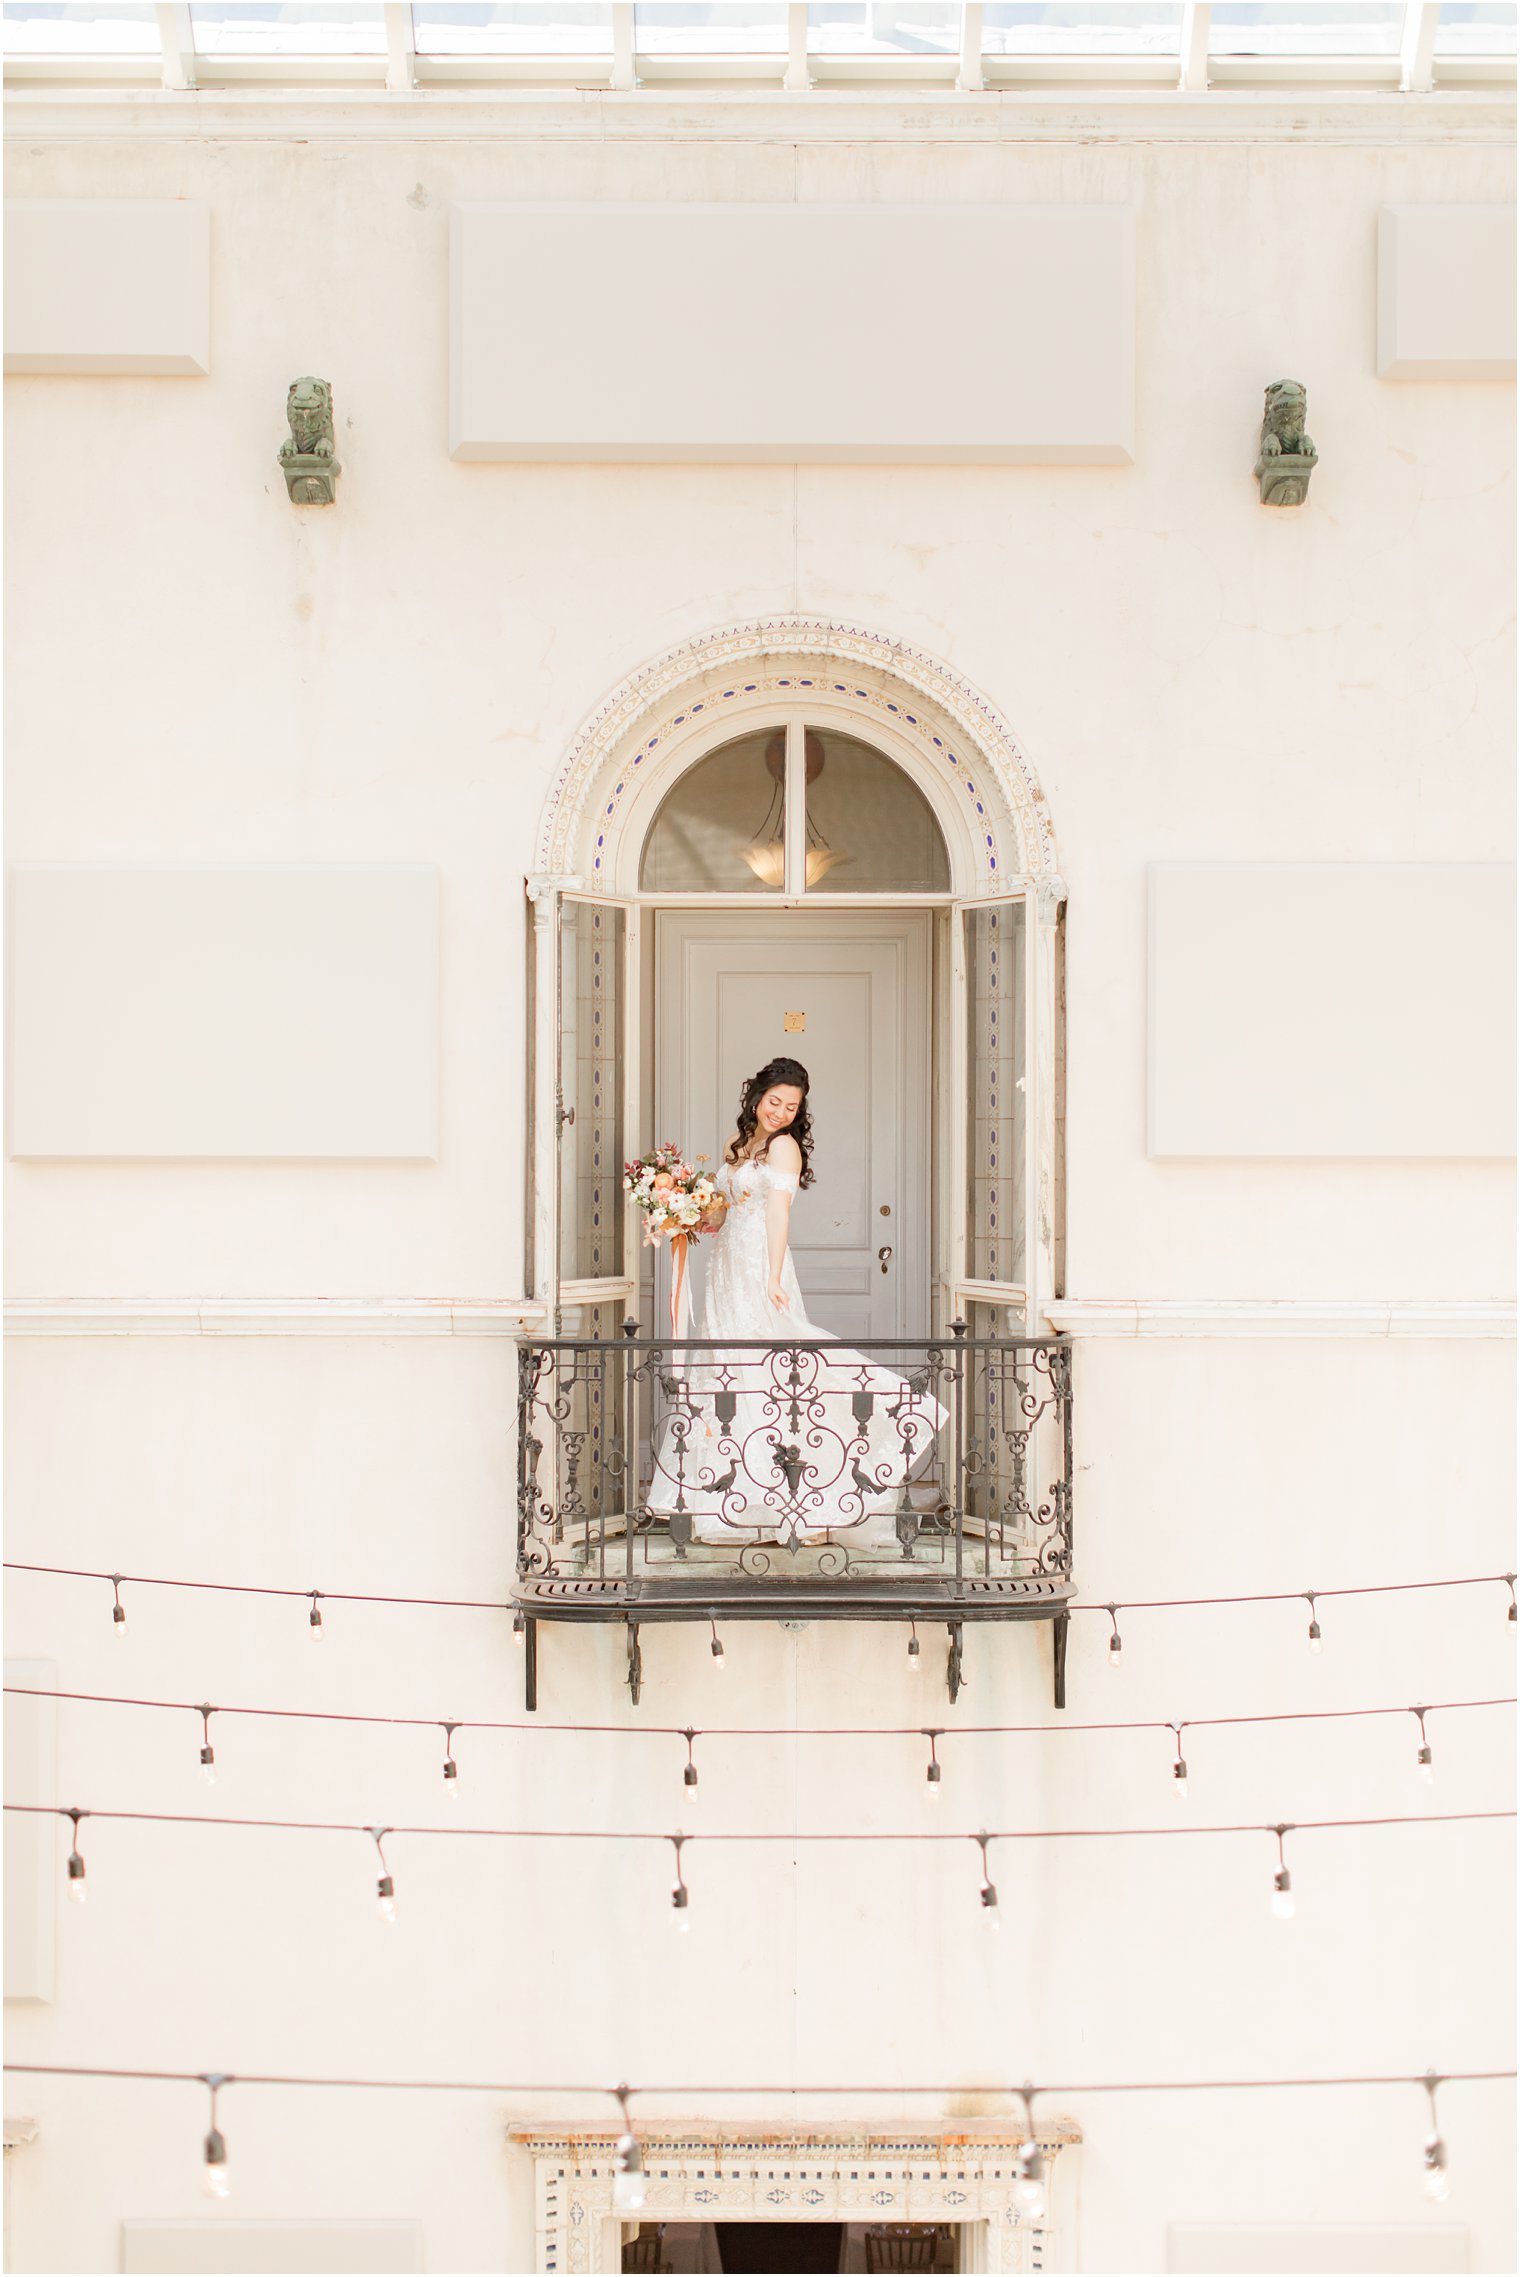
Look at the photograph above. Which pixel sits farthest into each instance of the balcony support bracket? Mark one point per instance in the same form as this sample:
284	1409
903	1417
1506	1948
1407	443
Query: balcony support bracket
635	1663
1059	1627
955	1663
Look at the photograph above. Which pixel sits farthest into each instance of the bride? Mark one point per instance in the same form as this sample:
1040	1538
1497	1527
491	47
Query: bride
780	1444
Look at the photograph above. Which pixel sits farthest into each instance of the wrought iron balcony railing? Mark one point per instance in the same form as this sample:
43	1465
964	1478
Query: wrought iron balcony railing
926	1479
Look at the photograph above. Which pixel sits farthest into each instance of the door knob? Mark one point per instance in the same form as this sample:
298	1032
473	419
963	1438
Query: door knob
884	1258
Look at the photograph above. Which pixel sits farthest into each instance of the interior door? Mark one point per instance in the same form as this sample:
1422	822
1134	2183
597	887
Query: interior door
847	994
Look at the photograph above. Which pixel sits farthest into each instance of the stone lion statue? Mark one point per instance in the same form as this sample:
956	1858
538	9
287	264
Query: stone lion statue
309	409
1283	440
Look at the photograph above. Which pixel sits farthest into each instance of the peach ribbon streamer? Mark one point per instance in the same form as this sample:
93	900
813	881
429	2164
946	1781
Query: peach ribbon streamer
680	1295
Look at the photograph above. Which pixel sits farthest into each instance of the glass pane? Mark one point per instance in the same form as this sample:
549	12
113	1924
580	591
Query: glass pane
244	27
532	27
1476	27
1082	27
869	827
48	27
1306	27
884	27
592	949
995	1103
721	827
710	27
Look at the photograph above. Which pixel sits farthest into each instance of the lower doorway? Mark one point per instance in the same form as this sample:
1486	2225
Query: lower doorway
797	2248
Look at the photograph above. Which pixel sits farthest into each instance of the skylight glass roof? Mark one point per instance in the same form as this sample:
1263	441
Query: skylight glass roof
529	27
632	43
1476	27
1306	27
1067	27
55	27
265	27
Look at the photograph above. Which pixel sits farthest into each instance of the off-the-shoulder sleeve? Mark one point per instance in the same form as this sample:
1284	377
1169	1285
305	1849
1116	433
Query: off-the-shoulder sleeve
784	1181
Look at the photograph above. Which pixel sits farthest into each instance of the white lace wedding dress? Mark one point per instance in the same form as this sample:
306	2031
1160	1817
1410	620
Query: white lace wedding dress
781	1444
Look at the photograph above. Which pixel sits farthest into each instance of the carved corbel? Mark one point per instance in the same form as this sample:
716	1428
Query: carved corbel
307	455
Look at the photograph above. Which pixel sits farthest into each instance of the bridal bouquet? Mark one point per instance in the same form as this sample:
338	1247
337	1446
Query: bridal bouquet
673	1194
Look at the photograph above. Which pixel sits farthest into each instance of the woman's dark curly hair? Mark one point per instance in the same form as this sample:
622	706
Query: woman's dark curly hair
794	1074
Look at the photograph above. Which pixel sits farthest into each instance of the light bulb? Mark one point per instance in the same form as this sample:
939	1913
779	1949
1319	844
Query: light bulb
77	1890
717	1654
208	1765
450	1779
217	2180
689	1781
314	1628
1315	1639
680	1908
629	2184
118	1620
1179	1780
931	1784
1282	1895
1425	1766
915	1656
1115	1653
1437	2178
519	1629
386	1891
991	1912
1029	2182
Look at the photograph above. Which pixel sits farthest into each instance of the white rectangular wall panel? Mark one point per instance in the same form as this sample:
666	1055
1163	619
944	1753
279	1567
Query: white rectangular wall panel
107	285
196	2249
224	1012
792	333
32	1852
1332	1008
1446	292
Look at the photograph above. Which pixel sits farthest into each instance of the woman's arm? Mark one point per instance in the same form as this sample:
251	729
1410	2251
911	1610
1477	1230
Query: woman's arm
784	1154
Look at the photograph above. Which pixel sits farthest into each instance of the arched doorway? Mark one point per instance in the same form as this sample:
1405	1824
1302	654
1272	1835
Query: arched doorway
800	822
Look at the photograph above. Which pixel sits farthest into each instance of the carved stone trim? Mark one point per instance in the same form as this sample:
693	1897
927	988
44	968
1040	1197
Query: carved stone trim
951	723
961	2174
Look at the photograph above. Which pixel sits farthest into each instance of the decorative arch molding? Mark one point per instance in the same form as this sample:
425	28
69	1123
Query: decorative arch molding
644	726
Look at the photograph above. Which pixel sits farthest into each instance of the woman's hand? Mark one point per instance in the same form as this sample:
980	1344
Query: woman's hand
713	1216
779	1297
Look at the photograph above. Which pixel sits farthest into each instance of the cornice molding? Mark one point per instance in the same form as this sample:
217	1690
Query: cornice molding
273	1316
1076	1317
1371	118
1084	1317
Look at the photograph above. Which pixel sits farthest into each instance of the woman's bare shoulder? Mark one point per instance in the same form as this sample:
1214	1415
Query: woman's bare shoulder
784	1151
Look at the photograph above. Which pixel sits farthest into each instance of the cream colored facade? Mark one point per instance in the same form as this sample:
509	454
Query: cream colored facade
277	779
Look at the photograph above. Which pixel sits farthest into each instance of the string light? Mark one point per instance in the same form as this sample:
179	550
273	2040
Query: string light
217	2182
1115	1642
1511	1615
1424	1762
1314	1633
990	1913
506	1605
1029	2165
118	1610
717	1644
915	1652
680	1895
629	2187
755	1731
1282	1880
208	1753
385	1888
1433	2156
932	1773
689	1775
450	1767
76	1881
314	1627
519	1629
1179	1768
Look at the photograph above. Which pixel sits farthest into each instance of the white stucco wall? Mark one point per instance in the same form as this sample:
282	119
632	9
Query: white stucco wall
199	673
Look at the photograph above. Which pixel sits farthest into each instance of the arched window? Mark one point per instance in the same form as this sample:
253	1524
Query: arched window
786	809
